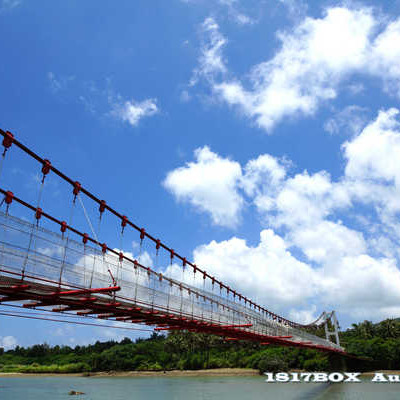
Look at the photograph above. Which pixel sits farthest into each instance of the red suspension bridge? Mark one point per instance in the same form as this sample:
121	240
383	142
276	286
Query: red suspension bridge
72	273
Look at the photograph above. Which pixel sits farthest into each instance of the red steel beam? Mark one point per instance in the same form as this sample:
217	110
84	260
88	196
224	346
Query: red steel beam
86	291
14	288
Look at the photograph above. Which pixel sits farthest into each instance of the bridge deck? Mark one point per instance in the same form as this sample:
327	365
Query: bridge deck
42	269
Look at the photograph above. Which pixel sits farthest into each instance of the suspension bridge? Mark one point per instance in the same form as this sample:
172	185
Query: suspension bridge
69	272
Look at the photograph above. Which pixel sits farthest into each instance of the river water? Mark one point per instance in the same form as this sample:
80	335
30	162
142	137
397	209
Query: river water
182	388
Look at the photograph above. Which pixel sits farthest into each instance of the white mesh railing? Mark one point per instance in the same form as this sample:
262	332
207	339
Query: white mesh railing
37	254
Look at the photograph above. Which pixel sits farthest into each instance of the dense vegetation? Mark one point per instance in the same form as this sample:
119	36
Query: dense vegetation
181	350
379	342
184	350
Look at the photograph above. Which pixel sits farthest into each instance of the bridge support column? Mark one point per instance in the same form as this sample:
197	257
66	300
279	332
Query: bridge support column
331	317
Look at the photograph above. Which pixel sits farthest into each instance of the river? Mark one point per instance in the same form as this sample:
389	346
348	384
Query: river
182	388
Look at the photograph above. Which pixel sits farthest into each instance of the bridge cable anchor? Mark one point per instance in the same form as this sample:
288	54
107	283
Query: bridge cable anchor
7	142
45	169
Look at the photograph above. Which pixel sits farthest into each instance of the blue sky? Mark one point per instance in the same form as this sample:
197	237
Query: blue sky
260	138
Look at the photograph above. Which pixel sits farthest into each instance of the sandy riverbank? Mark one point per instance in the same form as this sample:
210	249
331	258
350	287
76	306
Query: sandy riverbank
386	372
202	372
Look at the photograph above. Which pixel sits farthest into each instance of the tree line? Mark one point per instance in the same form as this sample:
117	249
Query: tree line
184	350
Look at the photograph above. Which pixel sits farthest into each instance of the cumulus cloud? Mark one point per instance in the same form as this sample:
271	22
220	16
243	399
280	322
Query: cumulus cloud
373	154
306	71
301	199
316	58
356	266
384	56
355	284
360	283
99	270
373	179
133	111
263	172
218	185
306	315
268	271
329	242
8	342
210	185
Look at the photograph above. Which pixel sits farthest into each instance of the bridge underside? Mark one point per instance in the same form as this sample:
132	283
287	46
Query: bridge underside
85	302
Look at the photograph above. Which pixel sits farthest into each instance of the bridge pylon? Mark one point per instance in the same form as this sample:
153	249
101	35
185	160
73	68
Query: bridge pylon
330	319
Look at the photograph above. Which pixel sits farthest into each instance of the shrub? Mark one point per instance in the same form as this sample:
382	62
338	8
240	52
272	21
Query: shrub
316	364
272	364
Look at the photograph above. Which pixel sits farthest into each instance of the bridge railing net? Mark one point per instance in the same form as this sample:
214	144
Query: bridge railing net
36	254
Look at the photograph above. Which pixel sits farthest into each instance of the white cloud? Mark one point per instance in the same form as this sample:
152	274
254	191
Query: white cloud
65	330
306	315
264	171
356	284
338	239
306	71
362	286
102	100
355	88
88	104
327	240
373	179
209	184
211	61
217	185
384	57
60	83
243	19
304	199
133	111
97	267
235	14
305	205
349	120
316	58
267	271
8	342
374	153
296	8
227	8
51	251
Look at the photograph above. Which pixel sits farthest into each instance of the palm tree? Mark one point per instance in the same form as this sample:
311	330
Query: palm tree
388	328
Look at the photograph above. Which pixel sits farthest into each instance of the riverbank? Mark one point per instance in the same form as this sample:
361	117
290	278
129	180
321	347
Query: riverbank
194	373
174	373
